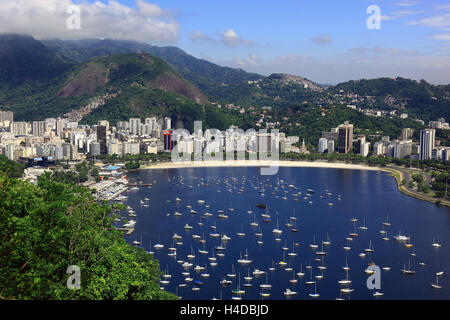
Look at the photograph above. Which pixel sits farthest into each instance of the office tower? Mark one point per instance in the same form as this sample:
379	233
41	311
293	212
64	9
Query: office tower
427	139
323	145
167	123
135	125
95	149
6	116
332	135
114	148
402	149
330	146
167	138
361	142
39	128
379	148
60	125
101	139
345	138
19	128
264	142
122	125
104	123
446	154
406	133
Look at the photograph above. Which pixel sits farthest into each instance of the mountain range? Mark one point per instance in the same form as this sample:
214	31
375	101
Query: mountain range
47	78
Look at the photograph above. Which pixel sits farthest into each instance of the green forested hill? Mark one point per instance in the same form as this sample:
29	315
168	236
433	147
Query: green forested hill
56	86
419	98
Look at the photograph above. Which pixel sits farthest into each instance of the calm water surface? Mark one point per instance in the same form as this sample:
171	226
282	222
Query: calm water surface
369	196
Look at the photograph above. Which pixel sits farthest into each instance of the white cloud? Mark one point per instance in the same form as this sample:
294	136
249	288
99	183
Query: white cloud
231	39
439	21
322	39
198	36
441	37
48	19
355	63
407	3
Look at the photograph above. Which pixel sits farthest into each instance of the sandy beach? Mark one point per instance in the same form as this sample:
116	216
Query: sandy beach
259	163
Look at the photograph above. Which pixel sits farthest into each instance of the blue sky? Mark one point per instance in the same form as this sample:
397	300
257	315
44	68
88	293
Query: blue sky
324	40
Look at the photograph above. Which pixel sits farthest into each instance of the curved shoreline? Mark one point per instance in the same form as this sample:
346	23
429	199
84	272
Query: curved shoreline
259	163
297	164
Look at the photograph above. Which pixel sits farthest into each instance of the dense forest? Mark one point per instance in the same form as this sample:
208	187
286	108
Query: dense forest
50	226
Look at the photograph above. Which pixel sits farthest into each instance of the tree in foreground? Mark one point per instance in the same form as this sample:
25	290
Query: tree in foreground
48	227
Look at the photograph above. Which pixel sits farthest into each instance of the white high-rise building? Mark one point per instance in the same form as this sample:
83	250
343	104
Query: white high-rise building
167	123
19	128
39	128
330	146
323	145
427	139
135	125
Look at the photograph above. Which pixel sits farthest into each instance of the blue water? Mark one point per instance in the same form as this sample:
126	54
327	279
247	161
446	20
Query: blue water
366	195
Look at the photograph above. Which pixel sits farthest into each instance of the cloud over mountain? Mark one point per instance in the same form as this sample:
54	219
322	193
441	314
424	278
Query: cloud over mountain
49	19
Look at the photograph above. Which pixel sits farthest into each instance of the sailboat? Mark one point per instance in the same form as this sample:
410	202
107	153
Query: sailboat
310	282
363	227
315	294
436	244
238	291
346	267
282	263
277	229
370	248
137	243
436	285
254	223
347	290
314	245
245	260
347	247
272	268
321	252
232	274
387	223
346	281
205	274
401	237
293	217
407	271
293	280
353	234
248	277
241	234
301	273
293	253
266	285
289	293
150	248
327	242
203	252
191	256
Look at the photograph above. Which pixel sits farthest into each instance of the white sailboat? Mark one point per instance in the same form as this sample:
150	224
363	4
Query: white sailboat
436	285
370	248
314	245
327	242
277	230
315	294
